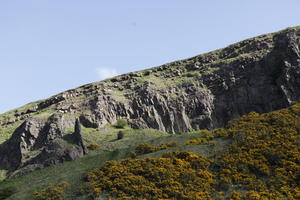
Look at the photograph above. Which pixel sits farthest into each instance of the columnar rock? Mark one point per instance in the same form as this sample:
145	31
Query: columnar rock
77	136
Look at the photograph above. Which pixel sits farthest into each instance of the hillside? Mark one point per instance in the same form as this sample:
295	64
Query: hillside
254	157
259	74
224	106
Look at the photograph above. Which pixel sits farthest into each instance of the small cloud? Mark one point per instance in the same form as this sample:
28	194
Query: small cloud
105	72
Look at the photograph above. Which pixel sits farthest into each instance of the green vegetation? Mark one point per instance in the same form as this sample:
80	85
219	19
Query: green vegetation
110	149
121	123
7	131
93	146
264	155
120	95
254	157
262	162
52	192
9	122
7	192
120	135
178	175
156	81
145	148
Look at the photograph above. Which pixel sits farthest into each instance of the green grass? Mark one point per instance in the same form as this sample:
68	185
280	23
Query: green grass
72	172
110	149
7	131
119	95
107	137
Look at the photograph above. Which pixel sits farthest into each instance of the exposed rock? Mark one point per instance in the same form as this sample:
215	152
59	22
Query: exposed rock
39	143
88	121
77	138
50	101
22	141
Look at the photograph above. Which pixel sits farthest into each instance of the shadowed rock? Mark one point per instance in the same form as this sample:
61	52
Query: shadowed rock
77	136
38	143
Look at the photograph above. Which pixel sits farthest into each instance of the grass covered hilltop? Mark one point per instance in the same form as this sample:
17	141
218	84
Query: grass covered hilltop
256	157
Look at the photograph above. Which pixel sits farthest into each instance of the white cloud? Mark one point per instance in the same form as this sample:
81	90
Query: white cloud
105	72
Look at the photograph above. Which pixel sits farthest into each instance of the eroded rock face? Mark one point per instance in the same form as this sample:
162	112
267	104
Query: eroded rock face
263	76
40	143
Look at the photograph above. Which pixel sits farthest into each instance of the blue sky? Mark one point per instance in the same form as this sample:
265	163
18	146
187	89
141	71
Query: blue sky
48	46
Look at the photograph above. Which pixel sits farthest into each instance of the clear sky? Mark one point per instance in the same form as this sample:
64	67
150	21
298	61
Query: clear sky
48	46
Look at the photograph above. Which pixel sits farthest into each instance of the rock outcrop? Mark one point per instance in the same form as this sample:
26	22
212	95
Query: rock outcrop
204	92
39	143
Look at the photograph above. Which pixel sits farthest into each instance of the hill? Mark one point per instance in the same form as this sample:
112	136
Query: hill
180	107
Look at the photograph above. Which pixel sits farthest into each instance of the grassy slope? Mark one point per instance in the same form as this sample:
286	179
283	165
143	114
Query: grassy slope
262	162
275	125
110	149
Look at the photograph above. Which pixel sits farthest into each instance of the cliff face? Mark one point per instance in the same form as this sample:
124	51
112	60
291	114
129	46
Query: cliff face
259	74
203	92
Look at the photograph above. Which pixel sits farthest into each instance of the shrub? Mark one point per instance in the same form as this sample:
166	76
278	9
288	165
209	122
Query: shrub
207	134
7	192
132	154
171	177
264	154
52	192
93	146
252	195
172	144
121	123
145	148
196	141
120	135
234	196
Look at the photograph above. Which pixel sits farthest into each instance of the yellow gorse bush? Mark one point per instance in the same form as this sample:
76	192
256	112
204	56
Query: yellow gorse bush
178	175
145	148
52	192
264	155
93	146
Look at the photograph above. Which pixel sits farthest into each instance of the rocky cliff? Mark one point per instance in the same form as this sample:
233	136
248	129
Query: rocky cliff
39	143
203	92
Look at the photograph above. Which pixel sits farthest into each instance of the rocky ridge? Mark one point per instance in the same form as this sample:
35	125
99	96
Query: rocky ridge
260	74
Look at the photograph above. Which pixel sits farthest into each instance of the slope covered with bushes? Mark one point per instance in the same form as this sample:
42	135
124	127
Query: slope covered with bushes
256	157
177	175
264	155
261	162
